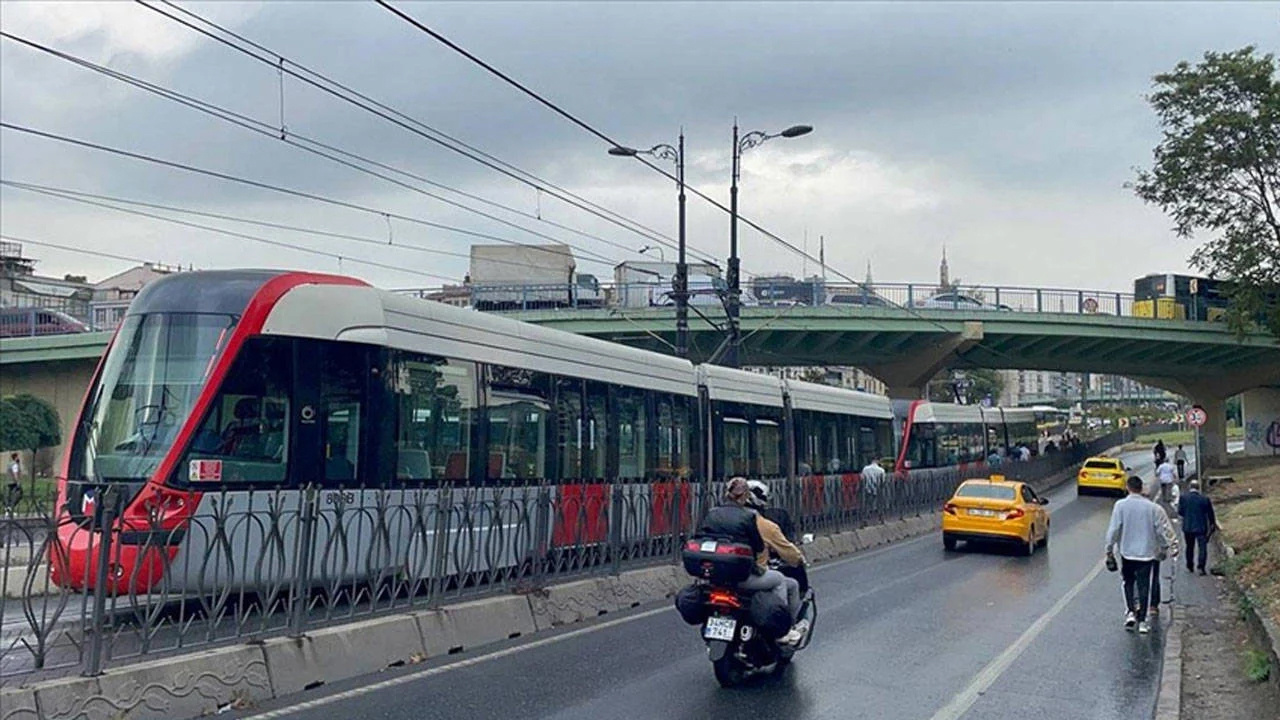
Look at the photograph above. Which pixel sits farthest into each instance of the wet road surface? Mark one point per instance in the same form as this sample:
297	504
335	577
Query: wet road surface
907	631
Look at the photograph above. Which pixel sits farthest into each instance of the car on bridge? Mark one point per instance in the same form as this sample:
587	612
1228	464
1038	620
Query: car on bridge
1101	475
958	301
996	510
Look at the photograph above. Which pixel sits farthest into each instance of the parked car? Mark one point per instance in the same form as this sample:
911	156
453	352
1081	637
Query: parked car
958	301
25	322
857	297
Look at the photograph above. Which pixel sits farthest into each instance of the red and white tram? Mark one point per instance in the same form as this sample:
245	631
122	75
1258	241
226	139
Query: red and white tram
228	400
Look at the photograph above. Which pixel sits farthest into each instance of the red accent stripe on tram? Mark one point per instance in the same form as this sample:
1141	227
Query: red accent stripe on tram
906	435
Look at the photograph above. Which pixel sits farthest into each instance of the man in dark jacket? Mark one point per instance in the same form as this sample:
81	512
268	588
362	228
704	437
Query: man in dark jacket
1198	523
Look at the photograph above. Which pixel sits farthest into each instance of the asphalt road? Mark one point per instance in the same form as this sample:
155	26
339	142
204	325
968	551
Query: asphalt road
906	631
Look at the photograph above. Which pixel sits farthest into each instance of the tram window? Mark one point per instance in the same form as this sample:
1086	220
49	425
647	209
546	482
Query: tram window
436	401
735	430
247	428
569	427
596	441
675	437
343	369
519	412
631	433
769	446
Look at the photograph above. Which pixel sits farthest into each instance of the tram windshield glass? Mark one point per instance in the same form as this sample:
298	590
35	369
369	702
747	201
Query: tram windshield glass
149	384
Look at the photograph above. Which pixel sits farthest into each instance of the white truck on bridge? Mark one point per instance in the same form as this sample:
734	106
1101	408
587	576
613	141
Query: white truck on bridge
513	277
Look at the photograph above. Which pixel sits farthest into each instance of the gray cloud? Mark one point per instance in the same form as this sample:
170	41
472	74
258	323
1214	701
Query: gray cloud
1004	130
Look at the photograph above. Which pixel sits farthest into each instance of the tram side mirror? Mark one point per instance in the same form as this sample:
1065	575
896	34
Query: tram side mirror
806	539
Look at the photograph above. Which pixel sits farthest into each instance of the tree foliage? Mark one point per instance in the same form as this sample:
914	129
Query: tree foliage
969	387
28	423
1217	173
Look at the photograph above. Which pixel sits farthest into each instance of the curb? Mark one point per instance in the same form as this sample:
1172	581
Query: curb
1169	697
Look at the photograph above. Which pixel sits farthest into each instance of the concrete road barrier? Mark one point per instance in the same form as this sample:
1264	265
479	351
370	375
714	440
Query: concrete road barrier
18	704
336	653
489	620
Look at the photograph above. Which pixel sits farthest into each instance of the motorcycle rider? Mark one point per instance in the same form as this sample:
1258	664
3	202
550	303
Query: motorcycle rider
732	519
760	499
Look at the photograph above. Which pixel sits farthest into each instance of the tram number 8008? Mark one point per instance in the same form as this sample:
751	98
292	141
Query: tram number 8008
339	498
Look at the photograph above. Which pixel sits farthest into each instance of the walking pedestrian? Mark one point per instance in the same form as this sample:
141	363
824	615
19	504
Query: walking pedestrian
1159	451
1136	531
1166	475
13	490
1198	523
1180	459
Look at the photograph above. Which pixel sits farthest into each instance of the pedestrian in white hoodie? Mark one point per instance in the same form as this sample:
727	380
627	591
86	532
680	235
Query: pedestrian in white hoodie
1139	530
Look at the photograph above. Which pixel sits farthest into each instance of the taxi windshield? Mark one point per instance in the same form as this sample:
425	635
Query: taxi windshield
1101	465
152	376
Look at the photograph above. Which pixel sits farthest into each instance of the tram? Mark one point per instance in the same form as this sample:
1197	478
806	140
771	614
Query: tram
943	435
254	390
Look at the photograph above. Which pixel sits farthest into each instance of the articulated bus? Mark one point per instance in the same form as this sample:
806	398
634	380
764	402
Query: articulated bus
942	435
254	392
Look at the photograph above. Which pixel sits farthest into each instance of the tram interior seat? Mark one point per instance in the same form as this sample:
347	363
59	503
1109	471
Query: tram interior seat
498	465
412	464
455	468
241	436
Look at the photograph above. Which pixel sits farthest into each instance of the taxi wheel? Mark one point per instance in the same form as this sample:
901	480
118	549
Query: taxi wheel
948	543
1030	548
1044	541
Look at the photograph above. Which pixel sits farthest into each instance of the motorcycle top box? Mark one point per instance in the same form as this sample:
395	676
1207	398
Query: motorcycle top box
722	563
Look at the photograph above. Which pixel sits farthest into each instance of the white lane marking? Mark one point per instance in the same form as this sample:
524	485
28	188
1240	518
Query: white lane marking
366	689
961	703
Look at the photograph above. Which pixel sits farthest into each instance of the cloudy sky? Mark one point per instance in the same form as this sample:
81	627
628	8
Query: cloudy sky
1004	131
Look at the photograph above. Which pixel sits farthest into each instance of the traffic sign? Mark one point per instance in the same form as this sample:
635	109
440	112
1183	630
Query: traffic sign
1196	416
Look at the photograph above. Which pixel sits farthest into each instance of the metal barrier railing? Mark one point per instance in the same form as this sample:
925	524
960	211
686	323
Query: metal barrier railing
250	565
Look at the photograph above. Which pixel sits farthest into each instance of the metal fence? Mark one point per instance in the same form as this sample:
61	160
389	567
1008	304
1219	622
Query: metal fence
992	298
249	565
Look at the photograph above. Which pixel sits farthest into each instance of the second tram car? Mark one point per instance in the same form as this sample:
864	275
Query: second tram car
942	435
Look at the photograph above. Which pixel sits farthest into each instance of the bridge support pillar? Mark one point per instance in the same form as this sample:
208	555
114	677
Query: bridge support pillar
1260	416
908	377
1211	393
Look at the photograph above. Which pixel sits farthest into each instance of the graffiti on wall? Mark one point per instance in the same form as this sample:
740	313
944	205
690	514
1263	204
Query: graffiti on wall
1262	433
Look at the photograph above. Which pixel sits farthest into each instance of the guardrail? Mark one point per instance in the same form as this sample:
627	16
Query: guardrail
257	564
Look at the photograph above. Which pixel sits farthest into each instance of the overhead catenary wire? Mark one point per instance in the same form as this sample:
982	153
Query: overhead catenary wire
69	248
266	241
365	102
71	194
270	131
253	183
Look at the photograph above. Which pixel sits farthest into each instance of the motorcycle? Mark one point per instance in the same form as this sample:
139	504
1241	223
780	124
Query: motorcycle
737	649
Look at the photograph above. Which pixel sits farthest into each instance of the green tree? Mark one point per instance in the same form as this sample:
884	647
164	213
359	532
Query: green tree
1217	174
971	386
28	423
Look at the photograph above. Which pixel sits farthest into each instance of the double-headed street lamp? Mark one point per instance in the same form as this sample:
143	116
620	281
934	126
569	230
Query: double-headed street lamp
680	283
734	304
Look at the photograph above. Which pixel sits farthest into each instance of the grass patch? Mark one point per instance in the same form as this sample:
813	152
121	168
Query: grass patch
1249	513
1257	665
1185	437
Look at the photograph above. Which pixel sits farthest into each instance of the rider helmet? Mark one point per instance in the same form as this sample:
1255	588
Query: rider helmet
759	493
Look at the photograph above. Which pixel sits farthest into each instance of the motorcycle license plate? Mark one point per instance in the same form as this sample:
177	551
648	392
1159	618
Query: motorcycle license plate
720	628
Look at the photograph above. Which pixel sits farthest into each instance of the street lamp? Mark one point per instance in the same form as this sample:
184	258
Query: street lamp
680	283
734	305
661	256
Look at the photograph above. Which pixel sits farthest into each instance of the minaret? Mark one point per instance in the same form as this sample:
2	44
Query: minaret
867	282
944	276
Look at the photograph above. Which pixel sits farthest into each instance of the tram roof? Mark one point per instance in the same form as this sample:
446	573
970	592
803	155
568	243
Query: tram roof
824	398
379	317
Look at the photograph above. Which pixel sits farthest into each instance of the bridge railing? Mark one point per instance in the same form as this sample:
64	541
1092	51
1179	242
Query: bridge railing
919	296
251	565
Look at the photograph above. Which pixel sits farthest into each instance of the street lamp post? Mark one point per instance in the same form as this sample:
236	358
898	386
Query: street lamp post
680	283
734	304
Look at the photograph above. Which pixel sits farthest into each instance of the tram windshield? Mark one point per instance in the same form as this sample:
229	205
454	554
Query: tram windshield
153	374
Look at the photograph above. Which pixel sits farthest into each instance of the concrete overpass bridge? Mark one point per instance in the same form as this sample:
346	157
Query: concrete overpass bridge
905	348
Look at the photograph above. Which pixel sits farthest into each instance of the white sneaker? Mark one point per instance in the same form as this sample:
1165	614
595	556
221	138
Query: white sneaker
796	634
1144	627
1130	620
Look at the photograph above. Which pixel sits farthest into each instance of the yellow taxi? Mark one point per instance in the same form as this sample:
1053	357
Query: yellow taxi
1101	475
997	510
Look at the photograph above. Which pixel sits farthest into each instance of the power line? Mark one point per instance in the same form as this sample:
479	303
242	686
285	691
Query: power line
68	248
262	128
255	183
322	82
70	194
585	126
256	238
